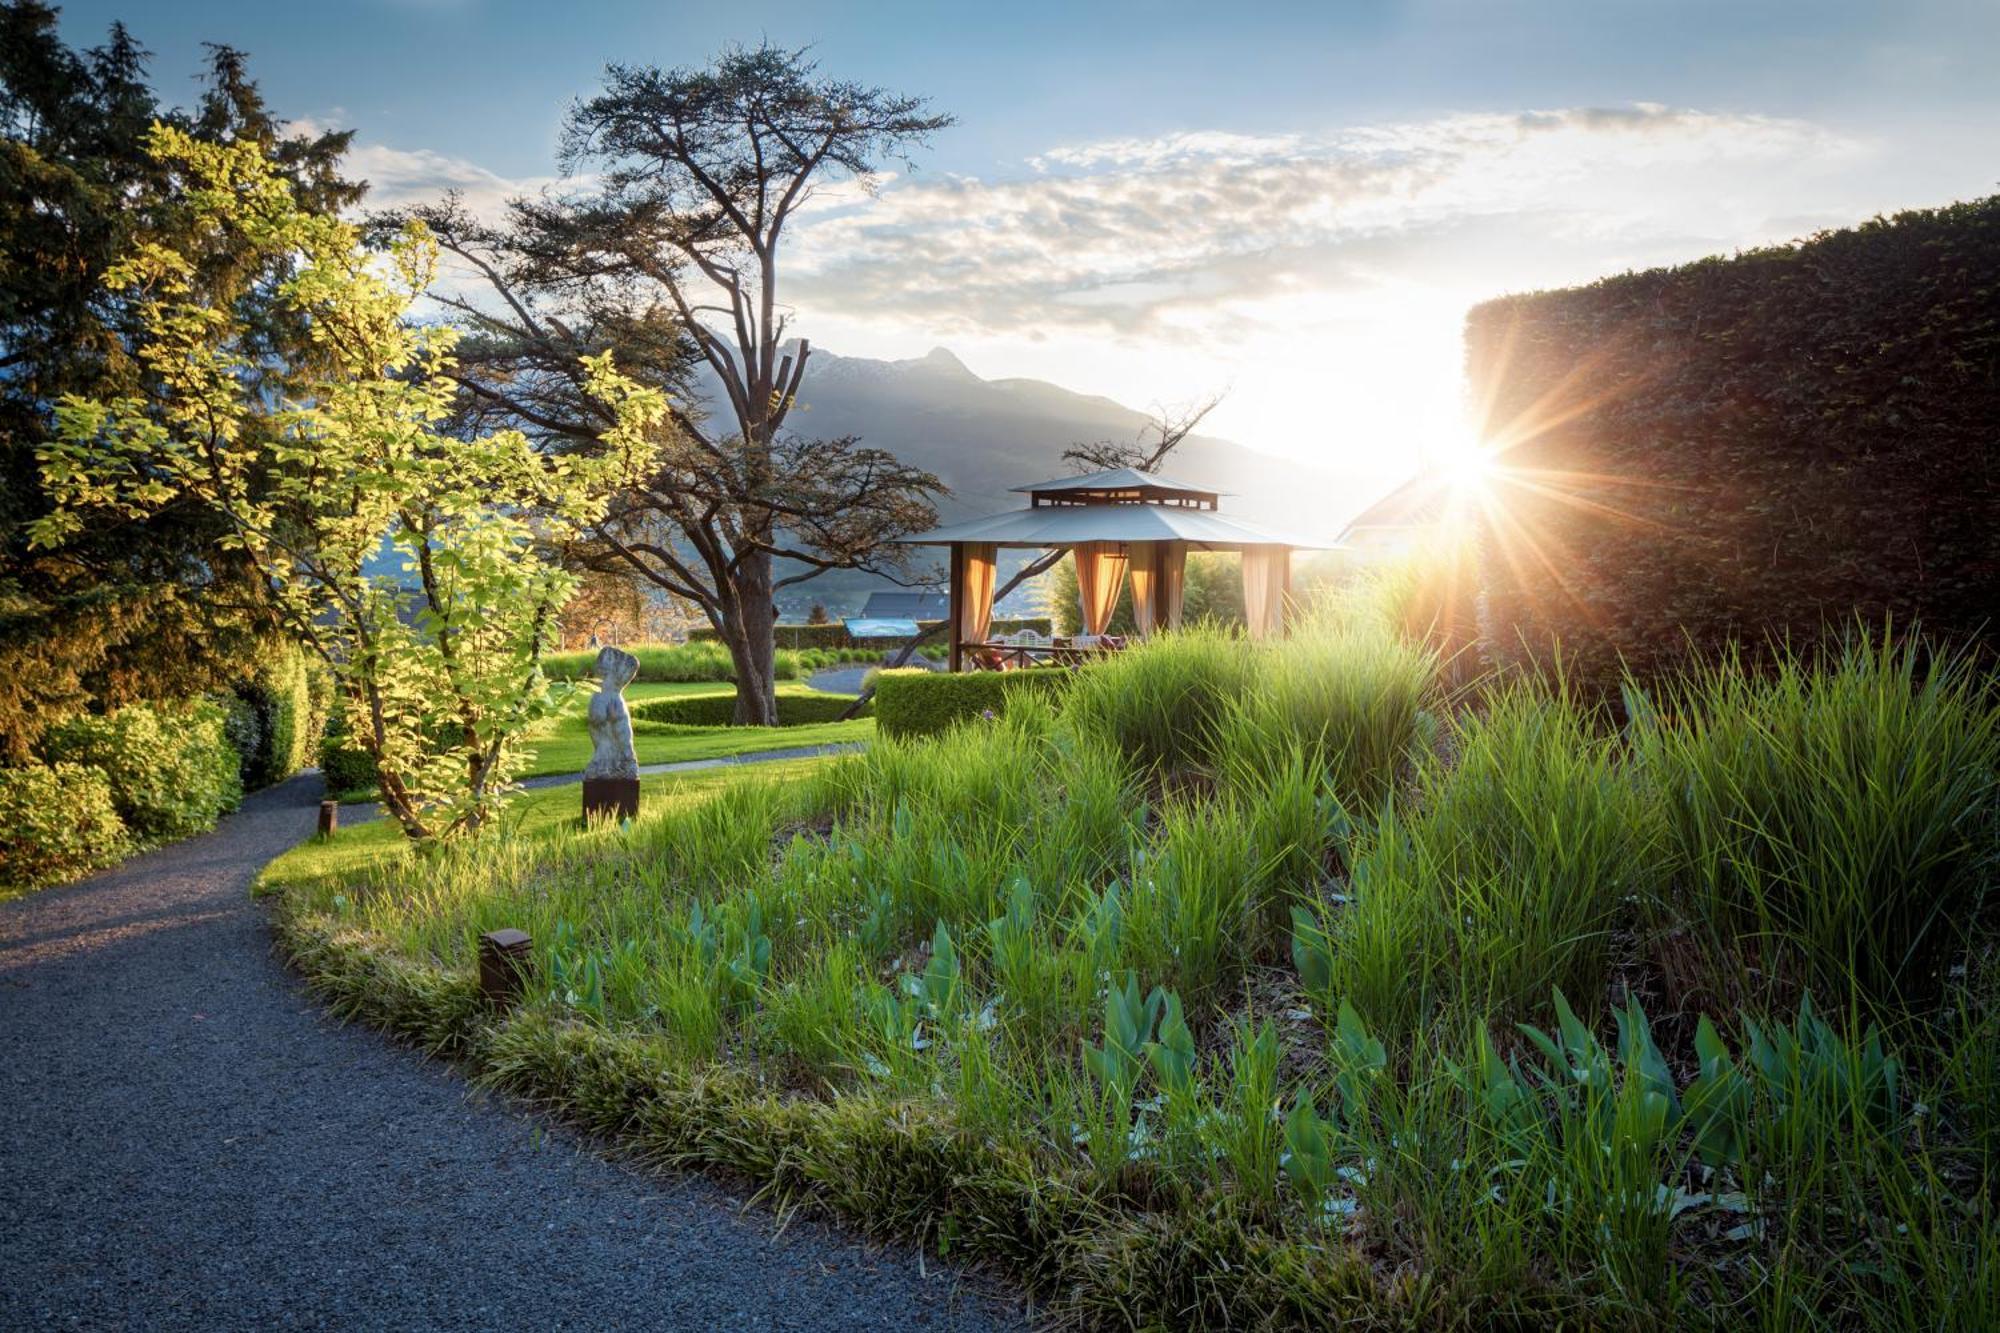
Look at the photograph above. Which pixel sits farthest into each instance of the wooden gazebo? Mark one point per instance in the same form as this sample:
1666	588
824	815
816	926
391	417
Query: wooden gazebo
1117	524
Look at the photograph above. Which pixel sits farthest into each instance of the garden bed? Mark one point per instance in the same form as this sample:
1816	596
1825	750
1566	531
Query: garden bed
1201	1004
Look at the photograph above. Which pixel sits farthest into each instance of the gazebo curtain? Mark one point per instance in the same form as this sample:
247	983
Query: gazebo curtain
975	593
1100	572
1159	574
1266	571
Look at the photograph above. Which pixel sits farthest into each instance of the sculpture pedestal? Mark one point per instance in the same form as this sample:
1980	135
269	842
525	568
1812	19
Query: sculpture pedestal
616	798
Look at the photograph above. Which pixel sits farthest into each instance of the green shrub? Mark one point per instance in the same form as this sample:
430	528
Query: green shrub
913	702
1832	825
1749	448
289	700
659	663
171	767
243	728
1162	702
343	765
57	822
719	710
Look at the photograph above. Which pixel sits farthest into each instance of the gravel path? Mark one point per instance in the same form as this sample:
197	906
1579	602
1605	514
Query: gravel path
190	1143
847	679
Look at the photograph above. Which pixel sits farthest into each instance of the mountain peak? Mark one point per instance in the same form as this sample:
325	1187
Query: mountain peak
941	359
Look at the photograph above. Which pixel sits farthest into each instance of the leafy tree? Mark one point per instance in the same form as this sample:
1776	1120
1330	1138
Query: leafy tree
439	672
673	262
140	609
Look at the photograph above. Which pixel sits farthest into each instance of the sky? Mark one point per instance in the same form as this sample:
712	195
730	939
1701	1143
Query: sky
1289	205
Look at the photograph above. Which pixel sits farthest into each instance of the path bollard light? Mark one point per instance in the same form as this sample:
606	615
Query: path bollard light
329	818
506	959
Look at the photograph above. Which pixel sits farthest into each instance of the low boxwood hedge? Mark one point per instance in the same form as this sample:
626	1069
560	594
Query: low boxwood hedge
719	710
914	702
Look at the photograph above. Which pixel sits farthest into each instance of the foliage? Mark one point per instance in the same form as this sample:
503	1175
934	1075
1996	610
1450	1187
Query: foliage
57	822
287	691
138	610
1758	448
719	710
171	767
439	680
914	702
999	991
344	765
1827	820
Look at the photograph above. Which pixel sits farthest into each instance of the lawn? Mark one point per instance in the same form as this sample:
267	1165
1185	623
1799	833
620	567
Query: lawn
1275	986
378	847
564	745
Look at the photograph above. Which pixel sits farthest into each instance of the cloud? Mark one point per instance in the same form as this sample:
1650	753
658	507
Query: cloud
403	176
1184	234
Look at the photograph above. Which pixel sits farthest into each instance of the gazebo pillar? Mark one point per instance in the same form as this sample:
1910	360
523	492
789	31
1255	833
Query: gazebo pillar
957	609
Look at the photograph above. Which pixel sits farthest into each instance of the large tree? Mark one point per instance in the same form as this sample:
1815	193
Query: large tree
671	260
148	607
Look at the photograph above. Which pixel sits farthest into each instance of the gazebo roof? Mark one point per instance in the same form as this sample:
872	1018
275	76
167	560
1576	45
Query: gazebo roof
1069	525
1118	480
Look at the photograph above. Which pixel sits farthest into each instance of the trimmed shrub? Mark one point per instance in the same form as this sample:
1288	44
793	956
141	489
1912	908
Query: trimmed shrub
719	710
343	765
281	690
1755	447
914	702
57	822
172	769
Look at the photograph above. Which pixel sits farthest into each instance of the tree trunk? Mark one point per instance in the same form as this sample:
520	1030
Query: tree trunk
752	646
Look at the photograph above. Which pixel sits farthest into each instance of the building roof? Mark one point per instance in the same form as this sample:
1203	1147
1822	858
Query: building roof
1069	525
906	606
1118	479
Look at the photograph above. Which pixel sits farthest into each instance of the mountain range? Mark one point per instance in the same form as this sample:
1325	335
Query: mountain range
982	437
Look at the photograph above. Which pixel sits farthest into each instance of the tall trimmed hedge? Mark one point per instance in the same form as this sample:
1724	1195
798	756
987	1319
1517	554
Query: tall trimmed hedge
1755	447
913	702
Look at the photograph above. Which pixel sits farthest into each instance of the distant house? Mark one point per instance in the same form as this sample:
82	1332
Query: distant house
1399	522
906	606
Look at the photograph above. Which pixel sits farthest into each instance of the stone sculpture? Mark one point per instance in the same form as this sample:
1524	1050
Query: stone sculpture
611	780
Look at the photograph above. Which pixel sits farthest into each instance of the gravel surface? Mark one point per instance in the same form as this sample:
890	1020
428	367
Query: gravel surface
847	679
190	1143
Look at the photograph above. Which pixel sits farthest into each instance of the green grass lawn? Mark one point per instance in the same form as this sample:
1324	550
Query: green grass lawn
532	816
565	745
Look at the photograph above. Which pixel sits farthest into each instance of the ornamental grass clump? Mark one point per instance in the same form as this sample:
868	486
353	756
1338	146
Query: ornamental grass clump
1520	855
1831	824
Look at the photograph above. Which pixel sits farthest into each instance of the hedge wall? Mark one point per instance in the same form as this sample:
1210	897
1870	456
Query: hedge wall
1753	447
913	702
719	710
